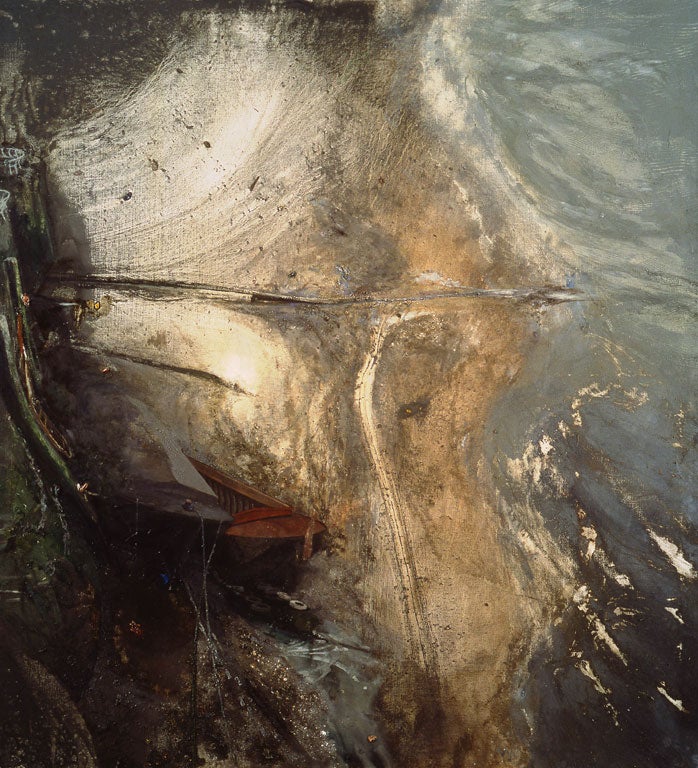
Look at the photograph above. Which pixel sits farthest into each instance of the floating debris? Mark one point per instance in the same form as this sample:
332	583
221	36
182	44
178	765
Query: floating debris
266	523
233	495
50	432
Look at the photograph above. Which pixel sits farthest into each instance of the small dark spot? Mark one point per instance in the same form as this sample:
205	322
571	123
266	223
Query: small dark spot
180	71
154	165
207	144
292	273
127	196
417	408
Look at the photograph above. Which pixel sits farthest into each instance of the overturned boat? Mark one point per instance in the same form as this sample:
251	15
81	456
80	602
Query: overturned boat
257	515
248	512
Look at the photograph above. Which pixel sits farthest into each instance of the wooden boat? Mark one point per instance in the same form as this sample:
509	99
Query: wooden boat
255	514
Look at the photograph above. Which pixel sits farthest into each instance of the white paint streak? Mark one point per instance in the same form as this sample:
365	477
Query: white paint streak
534	462
674	612
585	668
581	599
436	277
592	391
545	444
603	635
485	241
610	569
622	579
590	535
675	702
674	554
527	543
636	397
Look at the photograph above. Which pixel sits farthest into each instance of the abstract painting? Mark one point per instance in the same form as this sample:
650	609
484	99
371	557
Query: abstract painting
348	384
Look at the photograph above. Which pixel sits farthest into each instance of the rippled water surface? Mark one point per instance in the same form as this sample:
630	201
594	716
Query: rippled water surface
595	110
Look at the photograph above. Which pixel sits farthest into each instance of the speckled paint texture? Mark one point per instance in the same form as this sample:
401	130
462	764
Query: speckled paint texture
414	269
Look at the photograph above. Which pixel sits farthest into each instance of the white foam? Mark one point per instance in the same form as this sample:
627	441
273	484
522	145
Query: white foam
676	557
674	612
675	702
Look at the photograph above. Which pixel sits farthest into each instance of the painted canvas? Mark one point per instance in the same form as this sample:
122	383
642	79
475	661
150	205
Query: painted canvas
348	384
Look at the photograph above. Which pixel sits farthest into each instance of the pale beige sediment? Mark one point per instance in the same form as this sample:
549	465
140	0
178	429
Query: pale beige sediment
472	603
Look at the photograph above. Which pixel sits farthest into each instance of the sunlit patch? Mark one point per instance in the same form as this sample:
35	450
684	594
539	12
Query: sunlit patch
241	371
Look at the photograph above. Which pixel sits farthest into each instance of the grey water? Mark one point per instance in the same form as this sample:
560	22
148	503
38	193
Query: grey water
595	108
335	663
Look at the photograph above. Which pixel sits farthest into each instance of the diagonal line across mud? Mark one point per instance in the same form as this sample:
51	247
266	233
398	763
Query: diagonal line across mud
173	289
